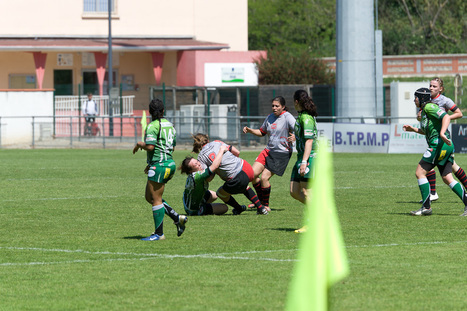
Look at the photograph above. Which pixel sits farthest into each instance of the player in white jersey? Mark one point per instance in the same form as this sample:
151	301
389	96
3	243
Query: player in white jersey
445	103
236	172
274	158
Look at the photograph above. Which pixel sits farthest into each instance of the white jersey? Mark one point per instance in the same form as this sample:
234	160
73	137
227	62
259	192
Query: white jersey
278	129
90	108
444	103
230	164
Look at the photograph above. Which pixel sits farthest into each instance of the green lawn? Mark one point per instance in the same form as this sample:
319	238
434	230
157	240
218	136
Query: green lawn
71	220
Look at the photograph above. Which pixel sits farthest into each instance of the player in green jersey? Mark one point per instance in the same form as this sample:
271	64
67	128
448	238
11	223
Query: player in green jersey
306	136
197	198
159	143
434	124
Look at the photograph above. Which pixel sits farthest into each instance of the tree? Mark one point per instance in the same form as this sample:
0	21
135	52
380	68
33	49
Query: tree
423	27
409	26
292	26
281	67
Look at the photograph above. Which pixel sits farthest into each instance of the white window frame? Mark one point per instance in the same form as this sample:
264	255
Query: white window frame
100	14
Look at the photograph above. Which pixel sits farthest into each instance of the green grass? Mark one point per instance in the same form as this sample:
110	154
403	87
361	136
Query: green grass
71	220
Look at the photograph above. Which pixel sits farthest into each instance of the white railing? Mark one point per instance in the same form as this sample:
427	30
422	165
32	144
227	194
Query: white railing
68	105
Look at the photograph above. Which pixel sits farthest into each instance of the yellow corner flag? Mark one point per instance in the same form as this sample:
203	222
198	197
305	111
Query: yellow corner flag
144	124
322	259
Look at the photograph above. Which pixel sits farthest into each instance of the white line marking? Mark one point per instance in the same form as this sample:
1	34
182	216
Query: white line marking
70	198
233	256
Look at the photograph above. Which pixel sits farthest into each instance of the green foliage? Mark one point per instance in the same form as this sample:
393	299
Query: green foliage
71	222
409	27
281	67
292	26
423	27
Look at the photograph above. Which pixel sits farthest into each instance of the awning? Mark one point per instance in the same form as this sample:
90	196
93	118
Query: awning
100	44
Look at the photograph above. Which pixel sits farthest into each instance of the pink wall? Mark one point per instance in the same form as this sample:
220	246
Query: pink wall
190	68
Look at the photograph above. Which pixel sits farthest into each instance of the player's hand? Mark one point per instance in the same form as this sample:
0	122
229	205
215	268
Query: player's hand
224	148
302	169
445	139
136	148
291	137
245	129
408	128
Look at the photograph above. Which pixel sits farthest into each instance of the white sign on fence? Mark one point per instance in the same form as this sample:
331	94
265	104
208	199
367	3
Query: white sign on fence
406	142
368	138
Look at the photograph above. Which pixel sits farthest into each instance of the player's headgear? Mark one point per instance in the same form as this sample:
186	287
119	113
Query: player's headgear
423	94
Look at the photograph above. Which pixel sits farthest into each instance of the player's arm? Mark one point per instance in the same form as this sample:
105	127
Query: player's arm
217	160
456	114
256	132
234	151
141	145
410	128
444	127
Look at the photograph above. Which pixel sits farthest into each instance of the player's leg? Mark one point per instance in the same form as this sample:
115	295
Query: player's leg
179	220
258	168
214	208
422	170
228	199
266	186
460	174
154	192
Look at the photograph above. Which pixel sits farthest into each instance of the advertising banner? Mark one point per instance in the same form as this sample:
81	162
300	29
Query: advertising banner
459	137
406	142
366	138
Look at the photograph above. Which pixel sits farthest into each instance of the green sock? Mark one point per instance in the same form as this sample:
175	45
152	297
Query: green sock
424	186
458	189
158	214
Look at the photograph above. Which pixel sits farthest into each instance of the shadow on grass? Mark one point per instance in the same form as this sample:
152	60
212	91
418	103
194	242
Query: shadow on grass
135	237
283	229
435	213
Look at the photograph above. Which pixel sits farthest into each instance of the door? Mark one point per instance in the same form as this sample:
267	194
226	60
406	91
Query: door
63	82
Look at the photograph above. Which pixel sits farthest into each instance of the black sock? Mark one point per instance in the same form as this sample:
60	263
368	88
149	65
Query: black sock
431	176
251	195
258	190
266	194
170	211
460	174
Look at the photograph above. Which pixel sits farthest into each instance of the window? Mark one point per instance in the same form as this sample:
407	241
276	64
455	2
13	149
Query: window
99	8
22	81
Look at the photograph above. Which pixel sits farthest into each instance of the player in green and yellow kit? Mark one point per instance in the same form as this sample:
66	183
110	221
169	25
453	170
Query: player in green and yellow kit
306	136
159	143
434	124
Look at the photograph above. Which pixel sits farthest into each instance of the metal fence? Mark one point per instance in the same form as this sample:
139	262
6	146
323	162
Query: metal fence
124	131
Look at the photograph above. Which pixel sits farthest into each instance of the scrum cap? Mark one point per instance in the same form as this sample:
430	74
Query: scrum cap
423	94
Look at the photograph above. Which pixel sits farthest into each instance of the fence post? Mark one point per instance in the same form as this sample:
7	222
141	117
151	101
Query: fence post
33	134
53	118
79	111
71	131
136	130
103	133
121	111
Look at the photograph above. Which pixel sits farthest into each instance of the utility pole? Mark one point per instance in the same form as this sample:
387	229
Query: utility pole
110	74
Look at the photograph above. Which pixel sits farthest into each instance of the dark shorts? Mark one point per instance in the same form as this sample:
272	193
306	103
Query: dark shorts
275	162
443	169
237	184
90	119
